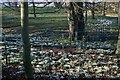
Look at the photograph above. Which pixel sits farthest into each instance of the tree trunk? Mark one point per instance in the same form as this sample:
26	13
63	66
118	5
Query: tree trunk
85	12
80	28
58	4
70	13
93	10
9	3
34	8
25	39
15	3
104	9
118	43
75	20
6	53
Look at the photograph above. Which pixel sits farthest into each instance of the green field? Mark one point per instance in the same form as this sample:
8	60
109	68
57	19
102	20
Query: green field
51	18
11	18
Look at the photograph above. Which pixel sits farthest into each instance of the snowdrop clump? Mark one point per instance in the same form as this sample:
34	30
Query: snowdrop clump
101	22
105	22
73	64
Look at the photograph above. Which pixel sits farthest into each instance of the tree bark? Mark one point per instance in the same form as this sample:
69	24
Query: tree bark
58	4
104	9
15	3
118	42
70	13
25	39
9	3
34	8
85	12
75	20
93	10
80	28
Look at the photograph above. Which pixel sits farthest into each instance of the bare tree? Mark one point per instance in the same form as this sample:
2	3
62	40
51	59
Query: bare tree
70	13
93	10
25	39
75	20
86	4
104	8
34	8
80	28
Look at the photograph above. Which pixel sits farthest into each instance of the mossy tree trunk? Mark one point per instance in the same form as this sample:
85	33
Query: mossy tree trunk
25	39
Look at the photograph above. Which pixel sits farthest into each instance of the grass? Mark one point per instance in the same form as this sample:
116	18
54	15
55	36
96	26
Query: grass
43	10
11	18
46	20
